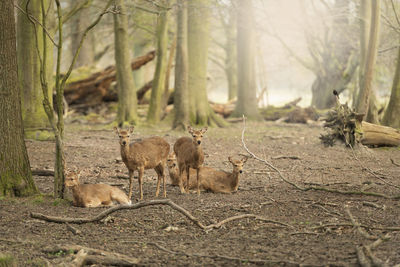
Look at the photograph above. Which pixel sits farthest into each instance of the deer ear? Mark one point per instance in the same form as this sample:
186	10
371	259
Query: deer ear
244	159
230	159
116	130
190	129
131	129
204	129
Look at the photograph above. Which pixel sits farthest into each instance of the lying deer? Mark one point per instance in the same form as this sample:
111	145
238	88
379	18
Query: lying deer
189	154
150	153
93	195
211	180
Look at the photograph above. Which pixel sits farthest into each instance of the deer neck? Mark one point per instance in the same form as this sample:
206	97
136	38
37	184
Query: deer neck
76	191
125	152
198	153
234	180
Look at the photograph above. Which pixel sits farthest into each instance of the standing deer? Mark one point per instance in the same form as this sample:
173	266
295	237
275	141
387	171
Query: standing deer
93	195
189	154
211	180
150	153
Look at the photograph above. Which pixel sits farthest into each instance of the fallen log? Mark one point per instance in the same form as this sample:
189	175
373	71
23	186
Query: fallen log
343	123
96	88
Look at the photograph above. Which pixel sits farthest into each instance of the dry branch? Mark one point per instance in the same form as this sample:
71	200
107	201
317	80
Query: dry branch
152	203
357	225
315	188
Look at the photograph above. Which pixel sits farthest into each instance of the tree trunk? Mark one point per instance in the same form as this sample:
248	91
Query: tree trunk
247	99
33	114
231	54
392	117
127	104
154	114
80	22
365	92
198	42
181	95
377	135
15	174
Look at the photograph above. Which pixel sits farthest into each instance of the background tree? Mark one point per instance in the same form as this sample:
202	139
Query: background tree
127	104
247	98
363	99
80	21
181	95
154	113
15	174
33	114
198	42
392	113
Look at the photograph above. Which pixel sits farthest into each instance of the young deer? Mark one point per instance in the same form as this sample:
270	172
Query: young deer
93	195
150	153
211	180
189	154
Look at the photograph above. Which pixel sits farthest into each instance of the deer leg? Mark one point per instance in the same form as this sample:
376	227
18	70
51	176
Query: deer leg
198	181
130	184
162	172
187	178
181	179
158	171
141	171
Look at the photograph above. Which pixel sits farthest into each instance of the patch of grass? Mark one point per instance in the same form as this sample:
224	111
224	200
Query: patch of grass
39	199
7	261
61	253
39	135
36	262
61	202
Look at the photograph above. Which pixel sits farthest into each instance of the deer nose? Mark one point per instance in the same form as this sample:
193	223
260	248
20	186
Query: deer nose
199	142
124	142
173	165
240	171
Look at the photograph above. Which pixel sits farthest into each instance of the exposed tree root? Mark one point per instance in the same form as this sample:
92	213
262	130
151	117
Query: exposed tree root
153	203
90	256
316	188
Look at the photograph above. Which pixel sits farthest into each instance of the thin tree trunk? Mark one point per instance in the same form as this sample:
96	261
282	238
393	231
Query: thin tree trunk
154	114
392	113
231	54
181	95
15	174
127	103
365	92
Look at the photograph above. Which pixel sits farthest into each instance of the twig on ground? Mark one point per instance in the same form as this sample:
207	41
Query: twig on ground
256	261
362	260
372	204
42	172
357	225
310	187
73	229
394	163
330	225
326	210
285	157
153	203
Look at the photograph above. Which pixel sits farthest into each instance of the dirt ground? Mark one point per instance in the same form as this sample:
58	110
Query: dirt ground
318	230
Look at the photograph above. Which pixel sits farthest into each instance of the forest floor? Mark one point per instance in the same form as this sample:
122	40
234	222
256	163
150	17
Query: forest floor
294	227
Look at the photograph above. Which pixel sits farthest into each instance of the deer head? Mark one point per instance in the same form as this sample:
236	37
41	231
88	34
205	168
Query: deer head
124	135
197	134
72	178
237	164
171	161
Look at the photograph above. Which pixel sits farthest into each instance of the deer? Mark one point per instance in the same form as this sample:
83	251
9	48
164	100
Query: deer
93	195
149	153
211	179
189	154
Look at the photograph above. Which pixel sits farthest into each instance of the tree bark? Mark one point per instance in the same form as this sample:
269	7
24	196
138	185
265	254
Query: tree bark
154	113
231	53
15	174
127	104
181	95
33	114
363	100
247	99
392	113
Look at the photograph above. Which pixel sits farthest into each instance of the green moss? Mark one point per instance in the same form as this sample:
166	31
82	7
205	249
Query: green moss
7	261
39	135
38	199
